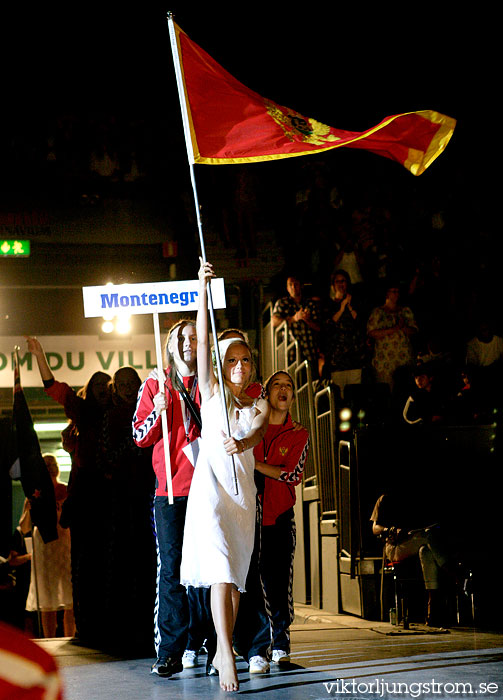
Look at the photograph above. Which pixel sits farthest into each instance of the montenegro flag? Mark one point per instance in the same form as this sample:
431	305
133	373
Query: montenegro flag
226	122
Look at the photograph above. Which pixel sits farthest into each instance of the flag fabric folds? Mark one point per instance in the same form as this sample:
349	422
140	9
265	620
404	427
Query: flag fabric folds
26	669
35	478
229	123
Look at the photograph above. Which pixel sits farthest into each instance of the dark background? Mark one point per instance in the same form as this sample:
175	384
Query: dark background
345	67
107	67
77	70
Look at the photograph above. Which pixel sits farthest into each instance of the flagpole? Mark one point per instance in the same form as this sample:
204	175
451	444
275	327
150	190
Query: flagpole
164	418
190	155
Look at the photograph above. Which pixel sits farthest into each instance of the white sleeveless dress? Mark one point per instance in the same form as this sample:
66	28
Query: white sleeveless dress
220	525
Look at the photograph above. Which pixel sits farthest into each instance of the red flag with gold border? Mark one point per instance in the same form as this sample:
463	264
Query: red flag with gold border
229	123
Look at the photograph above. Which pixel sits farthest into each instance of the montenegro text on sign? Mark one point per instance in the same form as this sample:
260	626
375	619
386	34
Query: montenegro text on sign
149	298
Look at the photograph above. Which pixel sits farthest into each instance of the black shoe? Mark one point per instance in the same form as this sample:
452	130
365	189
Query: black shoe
167	667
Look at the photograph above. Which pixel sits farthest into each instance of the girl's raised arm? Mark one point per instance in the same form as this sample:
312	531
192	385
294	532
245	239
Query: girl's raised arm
37	350
205	373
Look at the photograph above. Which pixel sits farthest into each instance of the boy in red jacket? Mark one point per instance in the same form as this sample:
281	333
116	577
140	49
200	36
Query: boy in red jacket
280	457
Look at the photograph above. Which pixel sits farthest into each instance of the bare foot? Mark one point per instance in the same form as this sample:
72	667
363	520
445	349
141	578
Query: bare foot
215	662
228	674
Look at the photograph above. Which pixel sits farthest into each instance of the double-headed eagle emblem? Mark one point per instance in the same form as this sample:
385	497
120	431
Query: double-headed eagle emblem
296	127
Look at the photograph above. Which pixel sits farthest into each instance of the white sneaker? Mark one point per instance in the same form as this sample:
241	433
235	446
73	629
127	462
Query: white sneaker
280	657
189	658
259	665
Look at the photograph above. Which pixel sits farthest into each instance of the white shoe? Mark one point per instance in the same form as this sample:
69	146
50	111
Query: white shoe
259	665
189	658
280	657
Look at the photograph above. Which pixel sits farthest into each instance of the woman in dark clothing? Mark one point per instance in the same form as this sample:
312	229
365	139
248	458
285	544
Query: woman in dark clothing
344	340
129	584
86	510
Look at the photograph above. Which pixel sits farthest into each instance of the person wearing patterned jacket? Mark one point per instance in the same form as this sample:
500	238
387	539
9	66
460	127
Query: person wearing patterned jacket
171	613
280	458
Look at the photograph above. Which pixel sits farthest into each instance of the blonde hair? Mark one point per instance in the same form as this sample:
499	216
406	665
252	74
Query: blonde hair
234	332
223	348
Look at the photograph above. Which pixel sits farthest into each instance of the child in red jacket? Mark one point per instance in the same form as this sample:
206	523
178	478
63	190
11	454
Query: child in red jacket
280	457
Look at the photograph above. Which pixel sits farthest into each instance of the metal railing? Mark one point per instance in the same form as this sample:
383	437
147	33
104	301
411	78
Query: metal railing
341	474
267	341
316	411
303	412
286	349
325	412
346	543
279	350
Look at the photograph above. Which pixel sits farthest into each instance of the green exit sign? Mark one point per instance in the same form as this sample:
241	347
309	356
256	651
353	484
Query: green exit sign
16	249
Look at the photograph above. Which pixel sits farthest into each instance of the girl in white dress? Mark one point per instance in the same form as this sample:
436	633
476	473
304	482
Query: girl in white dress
220	523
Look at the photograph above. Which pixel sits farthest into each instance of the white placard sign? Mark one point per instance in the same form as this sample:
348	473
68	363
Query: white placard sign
149	298
152	298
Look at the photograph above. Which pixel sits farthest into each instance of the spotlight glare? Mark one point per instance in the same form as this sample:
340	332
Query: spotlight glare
123	326
345	414
107	327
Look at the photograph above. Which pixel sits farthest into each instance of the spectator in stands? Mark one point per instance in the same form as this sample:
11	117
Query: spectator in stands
426	404
349	258
390	328
484	357
343	338
439	352
465	405
485	349
385	258
302	317
434	349
394	514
